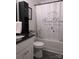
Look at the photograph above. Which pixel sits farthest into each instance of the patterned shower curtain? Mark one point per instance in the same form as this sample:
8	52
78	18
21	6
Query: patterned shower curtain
50	21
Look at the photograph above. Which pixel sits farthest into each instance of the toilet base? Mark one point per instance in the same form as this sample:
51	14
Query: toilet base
38	54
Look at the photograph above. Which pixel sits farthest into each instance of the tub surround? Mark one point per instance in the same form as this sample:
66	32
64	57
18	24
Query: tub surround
53	46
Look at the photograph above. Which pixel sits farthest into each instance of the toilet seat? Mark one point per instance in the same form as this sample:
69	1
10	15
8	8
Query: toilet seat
38	44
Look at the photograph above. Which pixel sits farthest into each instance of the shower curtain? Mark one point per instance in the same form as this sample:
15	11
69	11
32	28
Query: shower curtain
50	21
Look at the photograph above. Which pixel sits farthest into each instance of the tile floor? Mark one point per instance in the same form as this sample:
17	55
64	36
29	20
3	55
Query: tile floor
50	55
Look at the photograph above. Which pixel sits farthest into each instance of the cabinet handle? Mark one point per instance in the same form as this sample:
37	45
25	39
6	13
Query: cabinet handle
26	53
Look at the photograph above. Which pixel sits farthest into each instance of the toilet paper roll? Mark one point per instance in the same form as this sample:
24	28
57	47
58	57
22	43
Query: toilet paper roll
18	27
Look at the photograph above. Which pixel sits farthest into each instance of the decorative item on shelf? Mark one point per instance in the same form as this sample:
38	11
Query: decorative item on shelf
30	13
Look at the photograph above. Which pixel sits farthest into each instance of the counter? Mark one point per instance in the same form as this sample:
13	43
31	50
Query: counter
24	38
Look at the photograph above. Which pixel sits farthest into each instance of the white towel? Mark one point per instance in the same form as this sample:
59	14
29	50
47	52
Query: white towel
18	27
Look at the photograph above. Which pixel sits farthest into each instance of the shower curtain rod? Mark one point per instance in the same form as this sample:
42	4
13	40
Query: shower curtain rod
47	3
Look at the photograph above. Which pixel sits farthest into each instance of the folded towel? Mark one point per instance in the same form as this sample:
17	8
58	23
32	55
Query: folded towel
18	27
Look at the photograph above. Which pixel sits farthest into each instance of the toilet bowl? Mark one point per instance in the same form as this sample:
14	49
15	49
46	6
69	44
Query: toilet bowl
38	47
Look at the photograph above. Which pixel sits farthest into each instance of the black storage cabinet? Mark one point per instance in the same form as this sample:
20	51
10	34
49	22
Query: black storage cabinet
23	11
24	17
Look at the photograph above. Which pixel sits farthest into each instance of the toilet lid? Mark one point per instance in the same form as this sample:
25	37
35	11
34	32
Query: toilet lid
37	43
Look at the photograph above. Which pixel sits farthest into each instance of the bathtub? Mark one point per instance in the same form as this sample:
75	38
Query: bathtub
53	46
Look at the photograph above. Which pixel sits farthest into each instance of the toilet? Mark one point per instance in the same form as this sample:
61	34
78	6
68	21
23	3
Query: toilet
38	47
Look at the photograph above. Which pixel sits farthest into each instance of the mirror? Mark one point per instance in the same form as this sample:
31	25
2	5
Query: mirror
30	13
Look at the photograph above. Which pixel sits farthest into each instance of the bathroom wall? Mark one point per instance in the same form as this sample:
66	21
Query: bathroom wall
31	22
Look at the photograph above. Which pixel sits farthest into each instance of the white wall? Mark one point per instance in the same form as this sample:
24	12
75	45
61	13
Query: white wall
31	22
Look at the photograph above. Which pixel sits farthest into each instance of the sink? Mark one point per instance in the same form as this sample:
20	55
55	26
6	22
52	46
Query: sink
19	37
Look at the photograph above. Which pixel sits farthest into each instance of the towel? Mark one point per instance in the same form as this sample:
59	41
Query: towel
18	27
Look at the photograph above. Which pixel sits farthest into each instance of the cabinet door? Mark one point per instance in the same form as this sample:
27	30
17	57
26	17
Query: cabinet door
19	56
28	54
24	50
